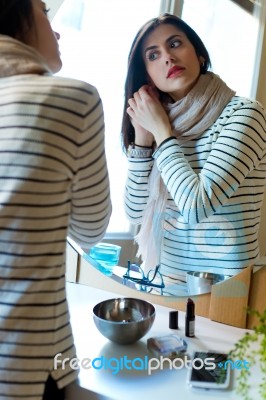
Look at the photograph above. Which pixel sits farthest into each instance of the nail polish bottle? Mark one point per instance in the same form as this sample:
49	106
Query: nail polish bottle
190	319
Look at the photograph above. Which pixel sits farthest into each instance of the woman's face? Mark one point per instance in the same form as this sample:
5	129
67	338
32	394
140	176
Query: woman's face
171	61
42	38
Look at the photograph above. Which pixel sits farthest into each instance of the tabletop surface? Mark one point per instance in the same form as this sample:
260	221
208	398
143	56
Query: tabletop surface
121	383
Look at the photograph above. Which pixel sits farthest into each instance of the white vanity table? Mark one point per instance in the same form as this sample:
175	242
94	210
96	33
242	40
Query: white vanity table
134	384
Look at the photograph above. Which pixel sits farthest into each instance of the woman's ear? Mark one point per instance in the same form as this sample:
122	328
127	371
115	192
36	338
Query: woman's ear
201	61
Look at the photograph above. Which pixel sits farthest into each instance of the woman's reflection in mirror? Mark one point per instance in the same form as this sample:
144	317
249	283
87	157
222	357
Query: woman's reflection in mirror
196	157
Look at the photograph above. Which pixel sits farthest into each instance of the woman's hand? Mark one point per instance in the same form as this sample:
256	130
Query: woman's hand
146	111
142	136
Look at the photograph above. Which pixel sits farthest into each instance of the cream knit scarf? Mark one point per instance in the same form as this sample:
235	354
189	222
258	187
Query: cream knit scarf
190	117
16	58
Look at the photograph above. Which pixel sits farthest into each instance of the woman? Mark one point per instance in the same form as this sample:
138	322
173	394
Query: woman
196	155
53	183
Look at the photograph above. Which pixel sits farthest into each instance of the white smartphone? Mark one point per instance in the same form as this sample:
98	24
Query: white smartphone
209	370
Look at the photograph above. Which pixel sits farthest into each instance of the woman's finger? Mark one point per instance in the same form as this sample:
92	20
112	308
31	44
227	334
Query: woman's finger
132	103
137	97
130	112
143	92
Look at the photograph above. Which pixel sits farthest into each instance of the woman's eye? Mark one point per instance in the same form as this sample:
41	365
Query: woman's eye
45	9
152	56
175	43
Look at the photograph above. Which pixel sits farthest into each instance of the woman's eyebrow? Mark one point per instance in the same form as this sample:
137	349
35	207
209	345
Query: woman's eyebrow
167	41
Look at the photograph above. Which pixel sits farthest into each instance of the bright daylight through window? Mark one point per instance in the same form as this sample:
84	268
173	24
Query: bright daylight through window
96	36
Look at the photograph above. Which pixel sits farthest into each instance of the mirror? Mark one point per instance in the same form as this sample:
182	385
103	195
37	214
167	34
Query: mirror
76	20
200	285
132	276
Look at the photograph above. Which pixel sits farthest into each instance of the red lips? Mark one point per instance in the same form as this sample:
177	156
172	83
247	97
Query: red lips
174	70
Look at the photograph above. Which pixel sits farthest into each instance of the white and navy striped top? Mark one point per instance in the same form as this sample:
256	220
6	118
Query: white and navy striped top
216	185
53	183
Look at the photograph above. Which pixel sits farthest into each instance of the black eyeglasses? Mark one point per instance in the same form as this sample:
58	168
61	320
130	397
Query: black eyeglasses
147	283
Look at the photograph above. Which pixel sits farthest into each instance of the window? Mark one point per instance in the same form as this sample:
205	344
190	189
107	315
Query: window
230	32
96	36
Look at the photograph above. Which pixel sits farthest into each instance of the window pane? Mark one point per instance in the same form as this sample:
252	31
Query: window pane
230	33
96	36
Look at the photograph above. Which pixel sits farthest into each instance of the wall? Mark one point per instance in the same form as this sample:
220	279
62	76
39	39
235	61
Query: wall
261	96
262	231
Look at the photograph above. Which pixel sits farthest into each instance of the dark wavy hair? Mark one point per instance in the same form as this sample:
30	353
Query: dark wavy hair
16	17
137	74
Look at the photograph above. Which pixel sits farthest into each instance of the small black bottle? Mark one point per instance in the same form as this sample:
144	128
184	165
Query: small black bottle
190	319
173	319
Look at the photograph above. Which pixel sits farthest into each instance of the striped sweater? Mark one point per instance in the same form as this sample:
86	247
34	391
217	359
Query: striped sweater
215	189
53	183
